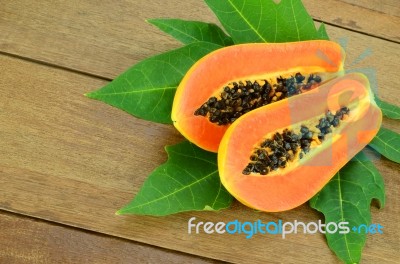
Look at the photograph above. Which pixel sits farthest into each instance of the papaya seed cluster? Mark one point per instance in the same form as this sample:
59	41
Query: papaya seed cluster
236	99
281	148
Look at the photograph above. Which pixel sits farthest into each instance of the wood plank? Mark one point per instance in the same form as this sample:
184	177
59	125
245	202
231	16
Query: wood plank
27	240
390	7
111	40
72	160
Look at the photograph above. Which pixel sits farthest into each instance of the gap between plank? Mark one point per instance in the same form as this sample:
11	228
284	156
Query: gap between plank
97	233
45	63
357	31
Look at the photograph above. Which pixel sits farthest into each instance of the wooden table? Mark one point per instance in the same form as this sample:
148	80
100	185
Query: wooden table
68	162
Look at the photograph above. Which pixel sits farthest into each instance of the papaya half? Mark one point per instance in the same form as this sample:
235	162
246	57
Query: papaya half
232	81
278	156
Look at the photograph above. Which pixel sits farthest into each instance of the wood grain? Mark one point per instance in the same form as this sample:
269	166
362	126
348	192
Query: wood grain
390	7
356	17
74	161
105	39
31	241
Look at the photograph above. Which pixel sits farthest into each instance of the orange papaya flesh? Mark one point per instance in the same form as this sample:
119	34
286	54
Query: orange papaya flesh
256	64
300	175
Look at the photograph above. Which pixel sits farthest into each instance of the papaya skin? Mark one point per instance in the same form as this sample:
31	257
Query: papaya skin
287	188
252	61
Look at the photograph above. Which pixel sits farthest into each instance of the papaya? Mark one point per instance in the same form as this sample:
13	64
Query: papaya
232	81
278	156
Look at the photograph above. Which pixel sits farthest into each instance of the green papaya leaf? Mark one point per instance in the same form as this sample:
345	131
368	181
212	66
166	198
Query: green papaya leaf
322	34
265	21
347	198
388	110
147	89
192	31
294	23
188	181
387	143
